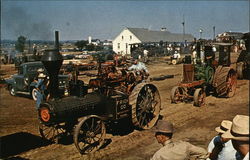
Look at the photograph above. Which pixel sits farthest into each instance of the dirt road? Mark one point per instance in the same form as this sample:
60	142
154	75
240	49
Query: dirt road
20	138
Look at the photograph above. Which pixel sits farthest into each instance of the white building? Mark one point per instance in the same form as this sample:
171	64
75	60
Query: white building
122	43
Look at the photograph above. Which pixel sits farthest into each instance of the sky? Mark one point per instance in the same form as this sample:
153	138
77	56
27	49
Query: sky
77	20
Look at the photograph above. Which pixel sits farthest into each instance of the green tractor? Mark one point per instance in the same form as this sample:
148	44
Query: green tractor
205	74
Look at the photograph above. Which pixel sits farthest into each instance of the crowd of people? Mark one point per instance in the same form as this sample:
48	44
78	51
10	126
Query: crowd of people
231	143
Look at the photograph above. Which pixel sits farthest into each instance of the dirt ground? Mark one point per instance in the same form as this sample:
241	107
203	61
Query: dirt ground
20	138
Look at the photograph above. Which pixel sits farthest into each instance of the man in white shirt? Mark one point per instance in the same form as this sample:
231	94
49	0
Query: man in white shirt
138	66
174	150
221	148
176	55
239	134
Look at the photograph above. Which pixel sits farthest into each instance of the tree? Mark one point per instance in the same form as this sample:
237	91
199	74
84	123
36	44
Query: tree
20	44
90	47
81	44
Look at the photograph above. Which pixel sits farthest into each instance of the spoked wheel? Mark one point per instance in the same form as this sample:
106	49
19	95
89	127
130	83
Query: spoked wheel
89	134
146	104
177	94
199	97
52	133
231	84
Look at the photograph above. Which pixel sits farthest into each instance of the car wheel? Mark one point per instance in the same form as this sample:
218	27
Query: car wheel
12	91
34	94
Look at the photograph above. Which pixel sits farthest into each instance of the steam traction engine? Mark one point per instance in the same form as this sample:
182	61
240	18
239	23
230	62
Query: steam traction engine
212	75
115	94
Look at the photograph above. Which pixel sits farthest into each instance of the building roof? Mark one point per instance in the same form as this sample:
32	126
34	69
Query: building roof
146	35
236	35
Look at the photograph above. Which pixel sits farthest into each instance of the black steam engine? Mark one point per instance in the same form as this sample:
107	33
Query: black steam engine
115	94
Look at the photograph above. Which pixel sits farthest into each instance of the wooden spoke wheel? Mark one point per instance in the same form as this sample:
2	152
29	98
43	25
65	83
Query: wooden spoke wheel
177	94
146	104
231	84
199	97
89	134
52	133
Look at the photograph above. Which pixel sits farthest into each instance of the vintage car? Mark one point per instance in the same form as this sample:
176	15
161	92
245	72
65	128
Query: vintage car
23	81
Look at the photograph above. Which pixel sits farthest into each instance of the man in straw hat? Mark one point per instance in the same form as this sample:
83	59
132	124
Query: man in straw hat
239	134
221	148
41	85
178	150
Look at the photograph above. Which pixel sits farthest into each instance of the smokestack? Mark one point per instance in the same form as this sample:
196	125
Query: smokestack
52	61
57	40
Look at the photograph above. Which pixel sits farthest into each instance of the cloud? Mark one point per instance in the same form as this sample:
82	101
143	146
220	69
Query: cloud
16	21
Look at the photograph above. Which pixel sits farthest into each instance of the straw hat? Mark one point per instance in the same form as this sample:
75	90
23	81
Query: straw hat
41	75
224	126
239	130
164	127
40	70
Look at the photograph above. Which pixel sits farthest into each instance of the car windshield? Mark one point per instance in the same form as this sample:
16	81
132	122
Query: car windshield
33	69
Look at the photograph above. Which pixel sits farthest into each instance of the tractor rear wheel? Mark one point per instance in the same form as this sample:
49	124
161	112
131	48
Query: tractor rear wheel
89	134
199	97
225	81
146	105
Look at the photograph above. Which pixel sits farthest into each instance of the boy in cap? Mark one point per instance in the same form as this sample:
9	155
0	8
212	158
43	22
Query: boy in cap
239	134
171	150
221	148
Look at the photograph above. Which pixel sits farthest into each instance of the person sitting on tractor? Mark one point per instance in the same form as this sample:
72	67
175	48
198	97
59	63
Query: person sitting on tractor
175	58
140	69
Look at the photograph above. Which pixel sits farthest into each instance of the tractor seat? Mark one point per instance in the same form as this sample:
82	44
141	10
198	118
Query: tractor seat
188	73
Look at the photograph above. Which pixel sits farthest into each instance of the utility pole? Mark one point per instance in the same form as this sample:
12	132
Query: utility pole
200	33
183	24
214	31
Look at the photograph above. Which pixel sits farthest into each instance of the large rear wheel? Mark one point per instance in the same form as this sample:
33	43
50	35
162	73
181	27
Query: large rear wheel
225	81
89	134
146	105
